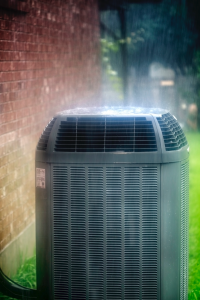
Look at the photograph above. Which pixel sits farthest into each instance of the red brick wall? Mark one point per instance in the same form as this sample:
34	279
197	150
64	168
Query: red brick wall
49	61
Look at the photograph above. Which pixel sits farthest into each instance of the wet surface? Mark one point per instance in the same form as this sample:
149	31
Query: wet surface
114	111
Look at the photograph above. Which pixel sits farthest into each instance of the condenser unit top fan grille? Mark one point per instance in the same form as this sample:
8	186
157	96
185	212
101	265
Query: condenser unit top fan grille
106	135
145	134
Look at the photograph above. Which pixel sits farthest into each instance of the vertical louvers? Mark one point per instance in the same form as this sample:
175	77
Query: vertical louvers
132	236
96	229
60	232
105	224
173	135
78	234
42	144
114	234
184	231
149	233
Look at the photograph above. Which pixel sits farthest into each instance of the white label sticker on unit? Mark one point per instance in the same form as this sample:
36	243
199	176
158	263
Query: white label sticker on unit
40	178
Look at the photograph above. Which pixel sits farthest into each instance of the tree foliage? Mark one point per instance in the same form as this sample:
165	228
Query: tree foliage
168	34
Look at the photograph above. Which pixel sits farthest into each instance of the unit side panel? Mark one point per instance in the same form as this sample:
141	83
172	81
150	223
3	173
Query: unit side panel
170	231
43	232
106	238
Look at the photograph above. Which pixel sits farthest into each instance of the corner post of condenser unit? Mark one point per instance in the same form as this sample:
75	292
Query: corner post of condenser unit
44	256
158	134
170	231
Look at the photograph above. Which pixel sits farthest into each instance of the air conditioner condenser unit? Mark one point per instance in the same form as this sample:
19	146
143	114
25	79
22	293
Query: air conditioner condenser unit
112	206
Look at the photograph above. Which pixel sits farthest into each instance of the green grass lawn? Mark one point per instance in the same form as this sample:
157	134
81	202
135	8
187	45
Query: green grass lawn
194	220
26	274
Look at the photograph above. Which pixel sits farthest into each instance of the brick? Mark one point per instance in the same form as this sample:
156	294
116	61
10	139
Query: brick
3	98
5	138
5	55
5	45
6	107
18	65
22	113
10	116
11	86
6	35
6	76
20	46
32	47
5	66
19	104
13	96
